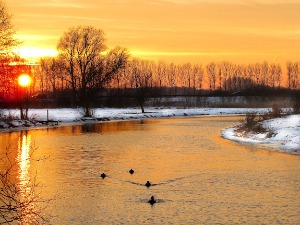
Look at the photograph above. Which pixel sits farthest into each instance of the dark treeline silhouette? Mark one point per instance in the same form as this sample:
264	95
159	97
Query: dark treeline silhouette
185	79
138	80
88	74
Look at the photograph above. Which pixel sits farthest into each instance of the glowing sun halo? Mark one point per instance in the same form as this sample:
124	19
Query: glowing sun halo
24	80
36	52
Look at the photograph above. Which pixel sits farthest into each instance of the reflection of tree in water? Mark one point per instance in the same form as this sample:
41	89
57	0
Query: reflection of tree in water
18	195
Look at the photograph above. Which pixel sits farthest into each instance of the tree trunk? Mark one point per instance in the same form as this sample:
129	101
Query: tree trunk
142	107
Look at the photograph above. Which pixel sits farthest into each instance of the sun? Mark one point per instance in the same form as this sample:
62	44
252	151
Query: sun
24	80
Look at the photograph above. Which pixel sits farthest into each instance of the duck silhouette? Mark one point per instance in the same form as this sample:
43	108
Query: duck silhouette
152	200
131	171
103	175
148	184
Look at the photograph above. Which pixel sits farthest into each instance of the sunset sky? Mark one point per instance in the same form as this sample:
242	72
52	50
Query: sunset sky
171	30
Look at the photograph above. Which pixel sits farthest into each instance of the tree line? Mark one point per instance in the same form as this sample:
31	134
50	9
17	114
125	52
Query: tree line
182	79
86	69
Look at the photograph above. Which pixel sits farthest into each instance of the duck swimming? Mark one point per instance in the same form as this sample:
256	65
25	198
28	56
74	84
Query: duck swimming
148	184
152	200
103	175
131	171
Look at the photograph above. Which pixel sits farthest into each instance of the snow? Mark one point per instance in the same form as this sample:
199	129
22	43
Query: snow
73	115
285	134
286	131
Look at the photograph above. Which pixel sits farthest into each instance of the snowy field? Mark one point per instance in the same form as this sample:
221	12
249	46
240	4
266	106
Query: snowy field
286	131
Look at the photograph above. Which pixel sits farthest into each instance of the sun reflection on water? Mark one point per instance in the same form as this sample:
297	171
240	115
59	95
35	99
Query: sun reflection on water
26	215
24	147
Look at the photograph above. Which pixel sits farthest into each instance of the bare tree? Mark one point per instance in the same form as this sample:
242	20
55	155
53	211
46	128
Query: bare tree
292	74
161	73
295	77
225	70
89	69
250	75
198	73
186	74
264	74
212	74
220	77
142	74
278	73
53	69
272	70
257	72
172	70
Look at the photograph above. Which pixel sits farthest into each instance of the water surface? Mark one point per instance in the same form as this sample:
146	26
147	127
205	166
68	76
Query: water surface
200	178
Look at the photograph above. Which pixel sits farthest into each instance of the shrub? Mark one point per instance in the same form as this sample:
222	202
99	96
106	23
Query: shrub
276	111
251	122
250	119
8	118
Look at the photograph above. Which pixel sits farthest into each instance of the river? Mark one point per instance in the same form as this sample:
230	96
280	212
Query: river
198	177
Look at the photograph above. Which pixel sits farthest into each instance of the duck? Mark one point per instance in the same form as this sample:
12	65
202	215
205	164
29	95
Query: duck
148	184
103	175
152	200
131	171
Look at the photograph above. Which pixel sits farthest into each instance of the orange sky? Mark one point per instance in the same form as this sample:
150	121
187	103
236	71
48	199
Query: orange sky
172	30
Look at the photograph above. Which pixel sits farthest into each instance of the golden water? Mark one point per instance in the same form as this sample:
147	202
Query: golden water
201	178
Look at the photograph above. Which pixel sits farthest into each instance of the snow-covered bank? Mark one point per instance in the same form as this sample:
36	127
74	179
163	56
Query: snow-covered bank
285	134
73	115
286	131
66	115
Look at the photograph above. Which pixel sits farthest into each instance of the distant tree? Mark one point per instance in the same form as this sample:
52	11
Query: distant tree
278	73
220	77
142	75
89	68
293	73
239	77
257	73
211	70
273	74
236	78
53	69
225	71
120	75
244	79
289	67
186	74
161	73
264	74
198	73
251	75
296	76
171	73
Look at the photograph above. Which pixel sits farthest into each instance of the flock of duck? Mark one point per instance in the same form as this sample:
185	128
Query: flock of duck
147	184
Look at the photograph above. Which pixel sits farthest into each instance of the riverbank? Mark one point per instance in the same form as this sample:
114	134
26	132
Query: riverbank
279	133
66	115
285	131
